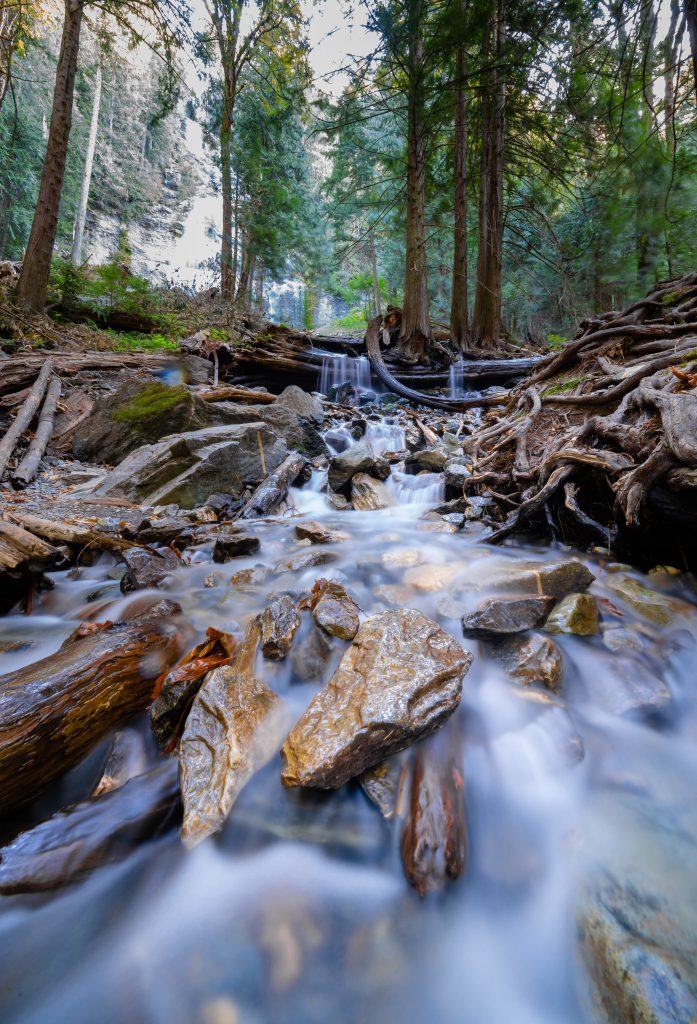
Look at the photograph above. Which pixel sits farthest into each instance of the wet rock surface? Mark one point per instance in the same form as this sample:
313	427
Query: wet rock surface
359	459
310	656
576	613
551	579
232	730
530	659
318	533
336	612
147	568
400	679
305	560
231	544
279	623
507	615
369	495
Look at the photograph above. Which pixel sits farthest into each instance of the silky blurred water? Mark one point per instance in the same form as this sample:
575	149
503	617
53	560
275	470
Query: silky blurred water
298	912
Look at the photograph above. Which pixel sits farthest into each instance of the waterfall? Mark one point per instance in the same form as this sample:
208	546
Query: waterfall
423	489
341	369
456	379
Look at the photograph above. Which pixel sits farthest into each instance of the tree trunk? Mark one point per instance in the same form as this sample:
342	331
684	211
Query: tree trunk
236	240
244	286
227	273
76	253
486	321
259	297
649	166
415	333
459	326
31	290
376	280
691	19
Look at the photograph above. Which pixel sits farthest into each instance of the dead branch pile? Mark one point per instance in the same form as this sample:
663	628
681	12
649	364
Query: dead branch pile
602	428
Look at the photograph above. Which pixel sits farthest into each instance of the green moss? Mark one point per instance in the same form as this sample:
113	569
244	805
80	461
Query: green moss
354	321
672	298
132	341
689	358
562	386
152	401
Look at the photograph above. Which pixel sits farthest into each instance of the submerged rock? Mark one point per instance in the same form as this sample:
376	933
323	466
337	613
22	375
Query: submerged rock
400	679
531	659
658	608
369	495
233	729
279	624
310	656
576	613
305	560
432	460
360	458
336	612
318	533
552	579
507	615
251	578
381	784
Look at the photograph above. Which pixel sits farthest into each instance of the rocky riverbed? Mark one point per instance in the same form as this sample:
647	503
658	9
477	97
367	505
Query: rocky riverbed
373	766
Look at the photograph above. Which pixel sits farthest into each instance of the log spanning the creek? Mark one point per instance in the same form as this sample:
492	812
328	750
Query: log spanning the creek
372	338
53	711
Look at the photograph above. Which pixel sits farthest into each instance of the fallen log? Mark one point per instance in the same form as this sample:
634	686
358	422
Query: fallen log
225	393
26	471
372	338
19	548
97	831
22	369
53	711
25	415
271	492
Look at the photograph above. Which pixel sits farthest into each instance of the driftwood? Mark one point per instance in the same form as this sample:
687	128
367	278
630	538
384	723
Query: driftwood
53	711
25	415
271	492
597	427
21	370
26	471
97	831
20	548
226	393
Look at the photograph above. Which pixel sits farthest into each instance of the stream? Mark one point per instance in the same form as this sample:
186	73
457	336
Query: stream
298	912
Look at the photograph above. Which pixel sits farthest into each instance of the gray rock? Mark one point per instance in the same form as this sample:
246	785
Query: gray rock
184	469
335	612
302	404
147	568
230	544
359	459
305	560
338	440
507	615
553	579
298	432
399	680
432	460
279	624
454	476
532	659
369	495
139	412
310	656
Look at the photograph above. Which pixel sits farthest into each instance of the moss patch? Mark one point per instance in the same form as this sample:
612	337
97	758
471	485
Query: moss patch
562	386
151	401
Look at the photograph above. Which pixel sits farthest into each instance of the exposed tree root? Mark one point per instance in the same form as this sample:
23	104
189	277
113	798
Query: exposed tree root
593	475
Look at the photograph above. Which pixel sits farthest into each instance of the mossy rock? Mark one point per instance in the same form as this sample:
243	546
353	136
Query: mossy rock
138	412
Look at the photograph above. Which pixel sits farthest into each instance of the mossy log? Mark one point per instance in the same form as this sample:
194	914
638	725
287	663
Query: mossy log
53	711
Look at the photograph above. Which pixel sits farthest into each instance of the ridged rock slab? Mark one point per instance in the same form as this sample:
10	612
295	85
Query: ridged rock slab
400	679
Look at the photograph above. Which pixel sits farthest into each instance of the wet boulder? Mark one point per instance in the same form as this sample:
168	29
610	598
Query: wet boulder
575	613
335	612
318	533
529	659
147	567
279	624
430	460
183	469
455	475
358	459
232	544
399	680
653	605
233	729
507	615
311	655
139	412
382	783
552	579
294	417
369	495
305	560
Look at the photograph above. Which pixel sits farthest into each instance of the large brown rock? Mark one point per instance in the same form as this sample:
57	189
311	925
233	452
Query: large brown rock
507	615
279	624
336	612
369	495
529	659
400	679
360	458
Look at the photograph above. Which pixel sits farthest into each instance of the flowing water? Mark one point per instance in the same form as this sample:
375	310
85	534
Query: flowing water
299	912
338	369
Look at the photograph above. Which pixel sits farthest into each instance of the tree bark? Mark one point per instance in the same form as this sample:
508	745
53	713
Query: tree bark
76	253
691	19
227	271
486	321
415	333
374	267
26	471
648	166
25	415
33	281
459	314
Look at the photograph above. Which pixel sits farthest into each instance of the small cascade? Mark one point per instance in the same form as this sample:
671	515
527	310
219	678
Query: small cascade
423	489
456	379
341	369
385	437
